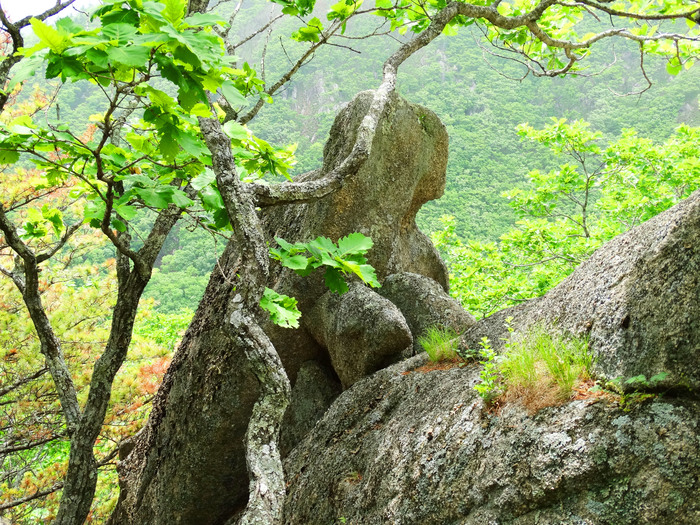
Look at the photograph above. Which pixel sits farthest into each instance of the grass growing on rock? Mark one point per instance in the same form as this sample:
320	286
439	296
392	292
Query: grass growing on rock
440	343
537	370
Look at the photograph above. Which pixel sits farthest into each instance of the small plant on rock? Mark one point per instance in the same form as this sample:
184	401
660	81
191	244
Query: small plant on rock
536	370
440	343
490	386
642	389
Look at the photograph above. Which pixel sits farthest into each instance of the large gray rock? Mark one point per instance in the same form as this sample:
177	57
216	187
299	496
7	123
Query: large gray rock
362	330
637	298
424	304
405	170
188	465
315	389
417	448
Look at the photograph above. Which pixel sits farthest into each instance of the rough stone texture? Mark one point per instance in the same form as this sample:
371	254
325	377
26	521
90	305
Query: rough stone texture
406	169
314	391
424	303
418	448
637	297
188	465
362	330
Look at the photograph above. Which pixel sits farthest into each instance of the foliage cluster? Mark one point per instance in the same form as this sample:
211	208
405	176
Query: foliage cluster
347	258
568	212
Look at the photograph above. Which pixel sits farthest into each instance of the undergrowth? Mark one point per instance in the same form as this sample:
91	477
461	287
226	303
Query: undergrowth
537	370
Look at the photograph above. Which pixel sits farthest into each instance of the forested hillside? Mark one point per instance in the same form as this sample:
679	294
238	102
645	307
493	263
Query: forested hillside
480	97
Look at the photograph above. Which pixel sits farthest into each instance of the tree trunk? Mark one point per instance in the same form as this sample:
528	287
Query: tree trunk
220	404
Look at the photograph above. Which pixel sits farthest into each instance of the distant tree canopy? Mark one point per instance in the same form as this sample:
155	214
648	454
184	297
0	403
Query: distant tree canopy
172	138
567	213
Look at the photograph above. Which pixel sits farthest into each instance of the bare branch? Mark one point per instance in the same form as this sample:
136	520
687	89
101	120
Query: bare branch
60	244
258	31
14	386
690	15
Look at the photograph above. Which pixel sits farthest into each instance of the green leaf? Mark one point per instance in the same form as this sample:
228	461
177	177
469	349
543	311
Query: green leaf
121	33
211	198
200	110
55	217
192	144
205	20
185	55
231	93
174	11
154	197
343	9
235	131
657	378
673	67
355	243
138	178
130	56
295	262
335	282
369	275
8	156
283	309
284	244
49	37
203	179
168	145
27	68
324	244
118	225
126	212
122	16
181	200
67	26
310	32
156	96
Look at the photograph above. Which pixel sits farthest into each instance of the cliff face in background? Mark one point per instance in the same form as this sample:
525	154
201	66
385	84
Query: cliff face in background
409	446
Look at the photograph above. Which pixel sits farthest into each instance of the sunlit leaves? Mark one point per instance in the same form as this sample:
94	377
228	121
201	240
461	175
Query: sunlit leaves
48	37
343	9
296	7
283	309
345	258
566	214
310	33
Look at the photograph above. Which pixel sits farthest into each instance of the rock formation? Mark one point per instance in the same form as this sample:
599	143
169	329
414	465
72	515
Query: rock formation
424	304
410	446
188	465
417	448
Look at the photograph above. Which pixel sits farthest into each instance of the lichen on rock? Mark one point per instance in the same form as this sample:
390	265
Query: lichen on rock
406	447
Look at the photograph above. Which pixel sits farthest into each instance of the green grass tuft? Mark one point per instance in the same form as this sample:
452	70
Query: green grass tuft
543	357
440	343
